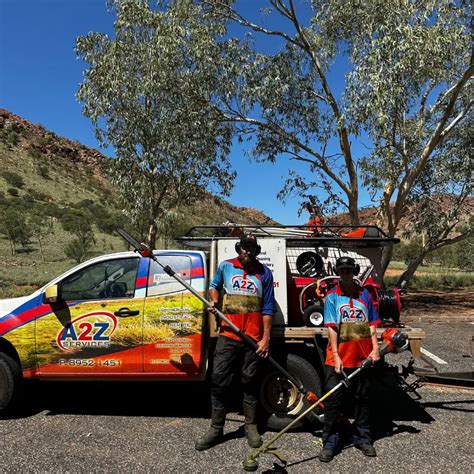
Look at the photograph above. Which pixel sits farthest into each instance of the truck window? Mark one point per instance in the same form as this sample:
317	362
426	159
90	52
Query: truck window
103	280
160	283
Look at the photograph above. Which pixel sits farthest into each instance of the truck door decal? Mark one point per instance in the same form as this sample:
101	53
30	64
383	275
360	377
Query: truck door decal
173	321
101	332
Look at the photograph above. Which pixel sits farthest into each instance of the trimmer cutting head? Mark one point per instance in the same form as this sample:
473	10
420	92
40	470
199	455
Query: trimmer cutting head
250	464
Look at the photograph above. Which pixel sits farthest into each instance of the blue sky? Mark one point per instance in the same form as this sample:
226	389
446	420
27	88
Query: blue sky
39	76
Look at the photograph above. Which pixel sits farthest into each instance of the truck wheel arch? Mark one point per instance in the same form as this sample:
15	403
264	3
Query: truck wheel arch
10	383
7	348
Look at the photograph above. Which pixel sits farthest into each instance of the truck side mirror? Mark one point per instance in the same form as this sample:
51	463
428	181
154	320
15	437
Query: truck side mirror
51	295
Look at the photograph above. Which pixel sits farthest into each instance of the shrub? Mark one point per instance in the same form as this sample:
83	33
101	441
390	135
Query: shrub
111	223
15	227
38	195
34	153
78	249
13	138
13	191
53	210
79	224
13	179
85	203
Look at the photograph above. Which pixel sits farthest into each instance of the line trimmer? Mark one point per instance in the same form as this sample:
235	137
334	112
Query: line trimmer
145	251
393	341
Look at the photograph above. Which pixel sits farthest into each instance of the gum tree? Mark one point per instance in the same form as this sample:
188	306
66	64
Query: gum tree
135	92
406	88
441	199
393	78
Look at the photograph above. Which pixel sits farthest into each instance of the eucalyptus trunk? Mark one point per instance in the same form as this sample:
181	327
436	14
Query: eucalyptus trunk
408	274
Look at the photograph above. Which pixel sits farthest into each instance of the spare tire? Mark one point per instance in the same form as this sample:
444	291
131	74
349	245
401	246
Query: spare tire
313	316
279	398
309	264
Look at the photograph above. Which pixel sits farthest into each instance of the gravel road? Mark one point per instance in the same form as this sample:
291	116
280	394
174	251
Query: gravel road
151	427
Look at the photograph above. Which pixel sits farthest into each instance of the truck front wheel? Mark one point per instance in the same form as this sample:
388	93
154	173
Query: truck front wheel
10	380
279	397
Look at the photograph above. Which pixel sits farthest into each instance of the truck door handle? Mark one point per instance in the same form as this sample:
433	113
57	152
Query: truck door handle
125	312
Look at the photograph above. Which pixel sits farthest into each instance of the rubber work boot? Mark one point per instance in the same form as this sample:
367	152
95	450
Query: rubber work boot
215	434
326	455
253	438
367	449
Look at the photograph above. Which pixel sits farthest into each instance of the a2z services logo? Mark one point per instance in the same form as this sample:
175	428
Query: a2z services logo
352	315
89	330
243	285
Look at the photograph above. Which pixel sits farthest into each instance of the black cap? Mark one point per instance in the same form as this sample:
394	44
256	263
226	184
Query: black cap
345	262
248	240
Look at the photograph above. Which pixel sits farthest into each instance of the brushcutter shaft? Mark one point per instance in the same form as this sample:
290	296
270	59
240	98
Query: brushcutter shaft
265	446
145	251
394	341
241	334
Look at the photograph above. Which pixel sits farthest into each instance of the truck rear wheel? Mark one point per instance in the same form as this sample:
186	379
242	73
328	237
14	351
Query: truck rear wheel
10	380
280	398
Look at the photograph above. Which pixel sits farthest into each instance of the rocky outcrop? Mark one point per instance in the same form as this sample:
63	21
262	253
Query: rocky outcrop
36	137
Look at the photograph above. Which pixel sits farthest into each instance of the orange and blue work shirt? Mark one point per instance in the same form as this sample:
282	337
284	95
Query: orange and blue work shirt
352	317
248	294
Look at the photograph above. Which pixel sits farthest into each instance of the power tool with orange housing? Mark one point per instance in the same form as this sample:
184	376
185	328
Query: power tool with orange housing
394	341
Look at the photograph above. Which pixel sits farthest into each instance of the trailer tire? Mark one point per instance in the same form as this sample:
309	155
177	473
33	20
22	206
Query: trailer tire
274	386
10	384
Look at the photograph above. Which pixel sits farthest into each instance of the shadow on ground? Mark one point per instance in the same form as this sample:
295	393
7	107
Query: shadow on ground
117	399
392	406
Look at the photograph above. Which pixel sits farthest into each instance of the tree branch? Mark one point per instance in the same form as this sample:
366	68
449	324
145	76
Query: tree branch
453	240
455	121
233	15
341	129
407	182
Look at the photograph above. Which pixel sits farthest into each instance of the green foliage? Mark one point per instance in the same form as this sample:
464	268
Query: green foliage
78	223
35	154
37	195
43	171
13	179
13	191
407	251
41	226
437	281
165	146
77	249
12	138
14	227
110	223
406	86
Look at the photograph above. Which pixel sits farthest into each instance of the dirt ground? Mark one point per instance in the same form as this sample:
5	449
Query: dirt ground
438	306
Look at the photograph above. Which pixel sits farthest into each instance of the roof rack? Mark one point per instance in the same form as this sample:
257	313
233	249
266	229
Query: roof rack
344	236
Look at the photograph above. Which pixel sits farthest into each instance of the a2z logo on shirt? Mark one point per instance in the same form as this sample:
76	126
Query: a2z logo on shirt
243	285
352	315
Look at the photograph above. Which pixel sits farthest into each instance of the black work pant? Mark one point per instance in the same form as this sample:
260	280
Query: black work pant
359	390
234	359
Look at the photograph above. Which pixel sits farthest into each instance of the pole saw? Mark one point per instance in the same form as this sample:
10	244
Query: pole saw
393	341
145	251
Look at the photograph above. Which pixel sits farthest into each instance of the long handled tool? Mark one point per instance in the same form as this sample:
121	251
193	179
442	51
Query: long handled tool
393	341
145	251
